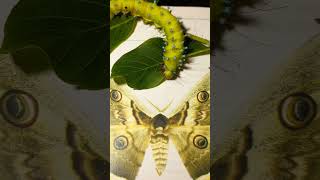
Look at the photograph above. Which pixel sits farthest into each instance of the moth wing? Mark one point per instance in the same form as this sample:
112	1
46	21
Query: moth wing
114	177
127	147
193	145
205	177
129	136
279	146
50	137
190	129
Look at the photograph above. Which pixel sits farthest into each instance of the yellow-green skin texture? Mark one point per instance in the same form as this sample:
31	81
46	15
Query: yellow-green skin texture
161	17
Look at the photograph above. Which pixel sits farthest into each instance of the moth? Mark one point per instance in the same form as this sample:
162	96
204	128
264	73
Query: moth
173	51
132	131
278	136
41	136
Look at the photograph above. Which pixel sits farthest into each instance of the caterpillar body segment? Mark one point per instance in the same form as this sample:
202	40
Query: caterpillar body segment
173	49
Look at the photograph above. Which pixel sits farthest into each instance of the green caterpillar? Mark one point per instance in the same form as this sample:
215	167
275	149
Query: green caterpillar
173	55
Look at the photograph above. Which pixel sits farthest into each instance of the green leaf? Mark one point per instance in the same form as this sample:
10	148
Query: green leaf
121	28
195	47
72	36
32	58
141	68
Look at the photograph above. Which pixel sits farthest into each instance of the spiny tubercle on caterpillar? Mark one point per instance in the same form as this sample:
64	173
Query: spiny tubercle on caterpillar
162	18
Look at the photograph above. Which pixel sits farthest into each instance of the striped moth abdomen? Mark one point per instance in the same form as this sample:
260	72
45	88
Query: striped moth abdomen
159	145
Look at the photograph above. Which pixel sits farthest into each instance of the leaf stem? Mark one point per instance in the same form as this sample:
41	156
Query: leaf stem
198	53
200	39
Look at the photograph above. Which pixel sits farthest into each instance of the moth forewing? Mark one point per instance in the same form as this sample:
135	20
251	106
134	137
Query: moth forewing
129	132
123	105
193	145
39	143
196	104
190	131
283	124
128	145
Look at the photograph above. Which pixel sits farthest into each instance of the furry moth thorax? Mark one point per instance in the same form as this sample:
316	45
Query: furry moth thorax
173	51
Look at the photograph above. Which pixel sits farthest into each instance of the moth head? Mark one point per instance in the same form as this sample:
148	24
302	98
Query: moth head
160	121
